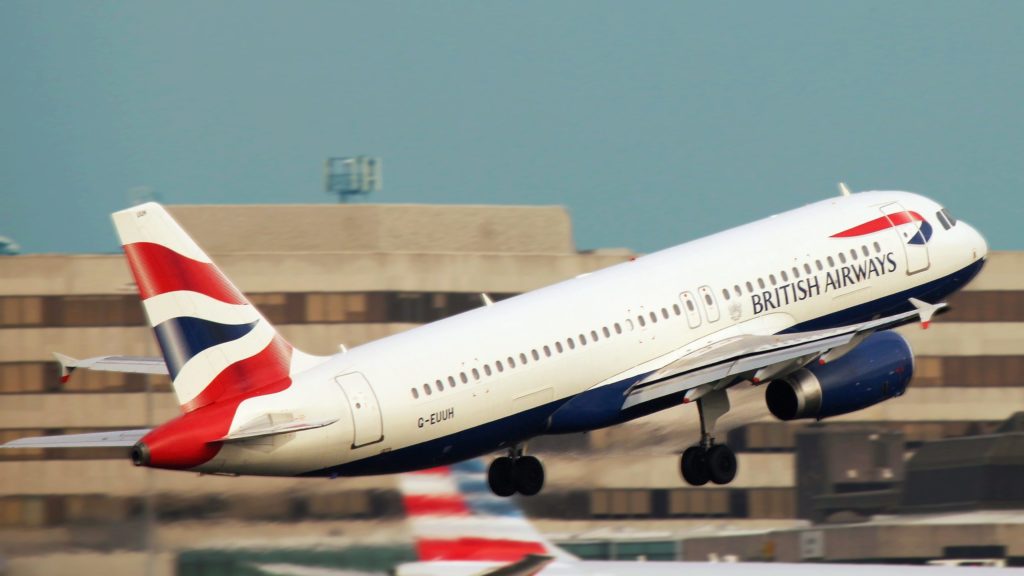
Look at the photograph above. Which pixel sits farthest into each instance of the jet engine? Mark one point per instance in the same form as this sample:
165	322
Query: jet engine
877	369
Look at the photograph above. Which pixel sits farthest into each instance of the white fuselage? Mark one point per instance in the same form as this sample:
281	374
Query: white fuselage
514	363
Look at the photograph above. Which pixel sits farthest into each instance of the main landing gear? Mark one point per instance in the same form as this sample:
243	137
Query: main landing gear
516	473
709	461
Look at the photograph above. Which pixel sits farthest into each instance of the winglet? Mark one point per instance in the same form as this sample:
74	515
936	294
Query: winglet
487	299
67	366
925	311
843	190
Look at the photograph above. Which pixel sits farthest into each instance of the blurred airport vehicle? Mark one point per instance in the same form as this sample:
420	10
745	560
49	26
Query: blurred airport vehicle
8	247
602	349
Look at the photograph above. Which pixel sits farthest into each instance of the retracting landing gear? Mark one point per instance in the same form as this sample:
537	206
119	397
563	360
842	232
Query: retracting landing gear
709	461
515	473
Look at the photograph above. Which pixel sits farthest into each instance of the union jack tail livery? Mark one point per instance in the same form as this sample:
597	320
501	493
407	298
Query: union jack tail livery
215	342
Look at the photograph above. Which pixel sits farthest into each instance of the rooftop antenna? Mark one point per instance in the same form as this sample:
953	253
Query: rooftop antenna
353	177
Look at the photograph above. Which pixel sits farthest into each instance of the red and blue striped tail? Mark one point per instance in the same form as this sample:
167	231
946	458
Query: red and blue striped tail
215	342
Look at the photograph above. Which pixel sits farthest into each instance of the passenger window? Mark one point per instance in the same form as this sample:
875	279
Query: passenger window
462	376
593	335
783	275
547	351
607	332
427	390
476	374
865	250
558	347
641	321
499	366
618	328
535	354
807	268
583	339
664	313
415	393
690	306
522	359
853	253
760	283
831	262
451	381
736	290
725	293
439	385
878	248
842	258
796	272
654	317
818	263
511	362
771	278
571	343
750	288
629	325
487	369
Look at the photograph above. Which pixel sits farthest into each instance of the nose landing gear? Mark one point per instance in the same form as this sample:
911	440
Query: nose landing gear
515	473
709	461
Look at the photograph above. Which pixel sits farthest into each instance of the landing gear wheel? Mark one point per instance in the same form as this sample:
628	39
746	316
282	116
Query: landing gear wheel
721	464
529	475
694	466
501	476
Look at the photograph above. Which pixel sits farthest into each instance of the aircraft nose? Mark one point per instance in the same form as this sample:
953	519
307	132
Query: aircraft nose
977	243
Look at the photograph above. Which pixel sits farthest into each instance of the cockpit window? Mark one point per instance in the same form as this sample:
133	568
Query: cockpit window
945	218
952	221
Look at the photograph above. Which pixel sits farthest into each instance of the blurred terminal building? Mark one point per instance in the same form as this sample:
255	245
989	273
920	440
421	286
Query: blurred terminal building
936	474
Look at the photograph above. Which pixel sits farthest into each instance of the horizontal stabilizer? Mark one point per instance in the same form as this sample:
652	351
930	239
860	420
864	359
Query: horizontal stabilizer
133	364
271	424
111	439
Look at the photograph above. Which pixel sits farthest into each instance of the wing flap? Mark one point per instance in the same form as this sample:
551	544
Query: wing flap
110	439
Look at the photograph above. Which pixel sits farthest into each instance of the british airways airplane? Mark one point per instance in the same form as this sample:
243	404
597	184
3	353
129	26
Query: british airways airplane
801	302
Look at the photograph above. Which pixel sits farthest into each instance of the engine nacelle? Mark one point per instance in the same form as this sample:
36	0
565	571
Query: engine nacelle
877	369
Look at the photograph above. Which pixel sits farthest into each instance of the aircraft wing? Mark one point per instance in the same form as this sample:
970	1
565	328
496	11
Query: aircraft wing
759	358
111	439
134	364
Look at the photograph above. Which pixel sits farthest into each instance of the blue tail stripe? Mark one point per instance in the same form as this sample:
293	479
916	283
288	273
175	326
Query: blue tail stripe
183	337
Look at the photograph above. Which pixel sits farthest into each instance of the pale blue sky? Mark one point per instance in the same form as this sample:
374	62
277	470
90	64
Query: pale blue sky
654	122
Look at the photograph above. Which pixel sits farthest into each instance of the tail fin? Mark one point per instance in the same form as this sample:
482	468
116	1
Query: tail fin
456	518
215	342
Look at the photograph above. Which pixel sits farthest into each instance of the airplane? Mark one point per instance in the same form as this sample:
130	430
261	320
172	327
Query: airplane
801	302
459	528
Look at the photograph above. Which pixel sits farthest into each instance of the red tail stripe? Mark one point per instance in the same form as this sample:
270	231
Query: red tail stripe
264	373
158	270
479	549
434	505
880	223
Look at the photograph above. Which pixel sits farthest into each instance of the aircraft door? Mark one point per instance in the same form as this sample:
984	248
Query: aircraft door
710	304
367	425
913	234
690	308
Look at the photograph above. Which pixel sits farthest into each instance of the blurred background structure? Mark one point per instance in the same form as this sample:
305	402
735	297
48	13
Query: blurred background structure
935	475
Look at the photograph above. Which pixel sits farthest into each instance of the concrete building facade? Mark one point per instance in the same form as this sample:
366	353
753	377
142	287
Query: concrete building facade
331	275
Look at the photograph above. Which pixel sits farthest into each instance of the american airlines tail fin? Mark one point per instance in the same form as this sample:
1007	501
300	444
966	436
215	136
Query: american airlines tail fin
216	344
455	518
